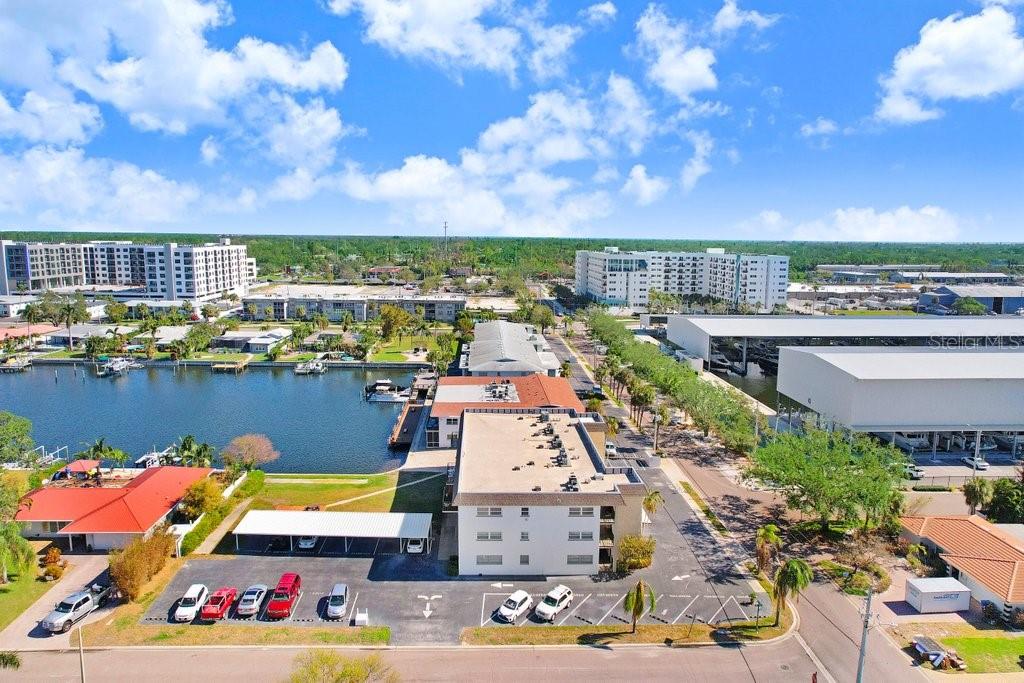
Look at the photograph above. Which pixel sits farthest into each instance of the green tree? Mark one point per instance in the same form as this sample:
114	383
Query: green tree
652	501
210	311
32	314
543	317
201	497
300	312
639	600
115	311
1007	504
766	545
393	320
142	312
347	320
978	493
566	369
791	579
250	310
15	437
15	552
10	660
69	310
662	415
968	305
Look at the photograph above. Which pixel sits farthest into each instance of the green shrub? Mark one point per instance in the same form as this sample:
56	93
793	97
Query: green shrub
930	487
636	552
53	572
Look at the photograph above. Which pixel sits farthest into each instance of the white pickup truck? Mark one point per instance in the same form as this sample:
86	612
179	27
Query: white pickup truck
76	607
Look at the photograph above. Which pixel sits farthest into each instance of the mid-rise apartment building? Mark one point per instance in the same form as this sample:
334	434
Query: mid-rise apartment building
167	271
362	307
535	496
625	278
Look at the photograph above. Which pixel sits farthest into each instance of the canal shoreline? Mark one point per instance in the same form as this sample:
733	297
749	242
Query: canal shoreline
357	364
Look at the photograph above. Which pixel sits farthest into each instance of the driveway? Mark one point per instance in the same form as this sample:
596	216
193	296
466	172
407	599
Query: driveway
24	632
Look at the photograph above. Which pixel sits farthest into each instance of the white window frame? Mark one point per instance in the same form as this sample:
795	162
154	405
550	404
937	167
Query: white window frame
489	560
579	559
488	512
486	536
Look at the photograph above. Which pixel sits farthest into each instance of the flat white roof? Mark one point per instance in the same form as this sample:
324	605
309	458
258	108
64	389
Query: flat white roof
335	524
938	584
854	326
913	363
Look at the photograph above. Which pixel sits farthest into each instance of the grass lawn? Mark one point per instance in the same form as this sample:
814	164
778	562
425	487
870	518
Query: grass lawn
422	495
988	655
64	353
123	627
395	350
607	635
19	594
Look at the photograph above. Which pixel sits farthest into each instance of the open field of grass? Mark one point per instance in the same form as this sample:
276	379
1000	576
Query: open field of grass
19	594
395	350
123	627
418	492
609	635
986	648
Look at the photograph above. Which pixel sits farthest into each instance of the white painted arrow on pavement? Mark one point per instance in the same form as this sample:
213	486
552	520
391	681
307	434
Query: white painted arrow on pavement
680	578
427	612
501	585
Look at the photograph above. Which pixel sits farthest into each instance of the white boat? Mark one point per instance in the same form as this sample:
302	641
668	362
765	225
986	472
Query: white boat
312	367
386	391
116	367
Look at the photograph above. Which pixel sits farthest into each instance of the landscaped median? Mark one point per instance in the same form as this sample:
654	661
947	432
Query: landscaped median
672	635
704	507
123	627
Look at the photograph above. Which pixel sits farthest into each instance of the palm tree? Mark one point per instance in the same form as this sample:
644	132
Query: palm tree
767	544
566	369
652	501
639	600
790	580
15	552
70	310
613	426
978	493
346	320
32	314
662	416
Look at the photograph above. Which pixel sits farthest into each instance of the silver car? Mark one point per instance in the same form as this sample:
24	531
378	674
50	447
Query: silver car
251	601
337	601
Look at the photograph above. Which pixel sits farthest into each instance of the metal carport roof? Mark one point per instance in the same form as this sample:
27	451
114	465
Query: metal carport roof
335	524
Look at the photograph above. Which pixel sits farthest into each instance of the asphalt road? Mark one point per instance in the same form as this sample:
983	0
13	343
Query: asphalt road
784	661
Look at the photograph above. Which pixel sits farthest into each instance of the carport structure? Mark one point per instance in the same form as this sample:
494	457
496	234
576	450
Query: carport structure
403	526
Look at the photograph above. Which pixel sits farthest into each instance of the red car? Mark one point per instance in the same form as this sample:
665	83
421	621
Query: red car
284	597
219	603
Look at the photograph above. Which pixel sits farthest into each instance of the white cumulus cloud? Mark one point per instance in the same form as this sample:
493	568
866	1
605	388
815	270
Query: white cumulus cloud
644	189
600	13
674	62
42	119
902	224
957	58
819	127
731	18
698	165
209	150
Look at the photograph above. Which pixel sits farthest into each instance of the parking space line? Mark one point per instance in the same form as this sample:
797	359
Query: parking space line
614	605
483	606
263	613
295	607
685	608
352	607
375	546
566	617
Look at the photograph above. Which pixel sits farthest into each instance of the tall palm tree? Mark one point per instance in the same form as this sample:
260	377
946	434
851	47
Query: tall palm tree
613	426
652	501
639	599
767	544
70	310
978	493
346	320
15	552
32	314
790	580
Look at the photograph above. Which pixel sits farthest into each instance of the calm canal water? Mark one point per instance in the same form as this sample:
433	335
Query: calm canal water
319	423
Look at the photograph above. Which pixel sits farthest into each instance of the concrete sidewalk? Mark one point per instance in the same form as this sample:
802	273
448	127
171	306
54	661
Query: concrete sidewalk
211	541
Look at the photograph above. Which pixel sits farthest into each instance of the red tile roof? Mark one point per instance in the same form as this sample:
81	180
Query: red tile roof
977	547
133	508
535	391
22	331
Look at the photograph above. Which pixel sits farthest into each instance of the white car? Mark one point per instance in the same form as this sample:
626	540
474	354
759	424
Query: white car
515	606
414	546
251	601
554	602
191	602
610	450
975	463
308	542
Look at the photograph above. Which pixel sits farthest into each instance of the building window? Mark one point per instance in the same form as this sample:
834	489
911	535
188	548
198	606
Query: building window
524	535
488	559
524	512
451	421
488	535
53	527
581	535
488	512
524	559
579	559
581	512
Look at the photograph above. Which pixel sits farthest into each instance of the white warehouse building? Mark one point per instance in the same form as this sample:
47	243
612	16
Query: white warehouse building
536	498
625	278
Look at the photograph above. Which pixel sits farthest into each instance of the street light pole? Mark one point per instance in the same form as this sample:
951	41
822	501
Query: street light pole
864	637
81	652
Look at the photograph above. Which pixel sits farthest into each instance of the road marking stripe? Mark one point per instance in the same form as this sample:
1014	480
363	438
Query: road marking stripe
566	617
688	605
350	610
295	607
614	605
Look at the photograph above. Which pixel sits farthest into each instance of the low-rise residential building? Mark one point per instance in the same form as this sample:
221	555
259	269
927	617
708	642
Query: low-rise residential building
1005	299
535	496
362	307
457	394
12	306
985	557
505	349
59	336
252	341
103	518
626	278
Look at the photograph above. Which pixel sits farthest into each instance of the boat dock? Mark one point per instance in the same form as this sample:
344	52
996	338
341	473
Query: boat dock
406	425
231	366
15	365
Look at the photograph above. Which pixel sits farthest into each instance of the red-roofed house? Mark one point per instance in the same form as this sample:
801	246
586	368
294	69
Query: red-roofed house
105	518
987	558
455	394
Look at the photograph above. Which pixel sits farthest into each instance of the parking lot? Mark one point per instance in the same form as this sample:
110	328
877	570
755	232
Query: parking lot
693	576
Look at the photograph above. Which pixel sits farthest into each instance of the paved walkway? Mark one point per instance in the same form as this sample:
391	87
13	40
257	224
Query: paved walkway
211	541
24	632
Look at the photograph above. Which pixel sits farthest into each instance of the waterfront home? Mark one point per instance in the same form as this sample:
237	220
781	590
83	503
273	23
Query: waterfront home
535	496
252	341
59	336
455	394
102	517
20	331
168	334
504	349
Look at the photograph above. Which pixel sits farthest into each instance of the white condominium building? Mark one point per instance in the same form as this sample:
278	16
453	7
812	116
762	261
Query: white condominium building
535	496
168	271
625	278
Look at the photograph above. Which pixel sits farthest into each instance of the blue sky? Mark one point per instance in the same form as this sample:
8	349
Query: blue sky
832	120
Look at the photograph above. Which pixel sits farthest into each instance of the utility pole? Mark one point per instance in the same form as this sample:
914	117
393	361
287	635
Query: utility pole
81	653
864	637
